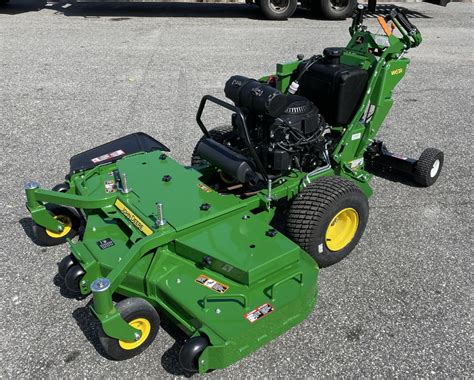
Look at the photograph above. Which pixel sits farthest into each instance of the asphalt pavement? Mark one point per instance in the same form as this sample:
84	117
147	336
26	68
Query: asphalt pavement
76	76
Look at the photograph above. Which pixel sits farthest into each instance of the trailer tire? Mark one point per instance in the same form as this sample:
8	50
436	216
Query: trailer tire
220	134
50	238
428	168
333	9
278	9
328	218
140	314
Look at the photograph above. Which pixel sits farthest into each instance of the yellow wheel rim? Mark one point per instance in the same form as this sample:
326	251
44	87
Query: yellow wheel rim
144	326
342	229
67	227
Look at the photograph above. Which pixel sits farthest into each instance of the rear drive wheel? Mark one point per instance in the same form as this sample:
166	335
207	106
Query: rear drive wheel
71	222
333	9
428	168
328	218
139	314
278	9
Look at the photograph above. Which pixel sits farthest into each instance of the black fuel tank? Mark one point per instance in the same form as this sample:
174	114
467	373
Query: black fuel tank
336	89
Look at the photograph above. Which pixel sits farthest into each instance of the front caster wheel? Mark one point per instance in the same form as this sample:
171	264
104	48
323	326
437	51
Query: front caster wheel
428	168
65	264
73	278
139	314
190	352
328	218
71	222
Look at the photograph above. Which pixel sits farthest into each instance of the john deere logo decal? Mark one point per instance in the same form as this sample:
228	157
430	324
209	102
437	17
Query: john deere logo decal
137	222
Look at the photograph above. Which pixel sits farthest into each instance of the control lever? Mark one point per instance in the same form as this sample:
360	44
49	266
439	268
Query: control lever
398	15
358	17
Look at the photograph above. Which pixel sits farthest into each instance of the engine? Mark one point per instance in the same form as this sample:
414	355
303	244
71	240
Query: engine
286	131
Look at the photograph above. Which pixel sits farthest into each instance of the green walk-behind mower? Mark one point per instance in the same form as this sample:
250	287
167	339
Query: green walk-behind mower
229	248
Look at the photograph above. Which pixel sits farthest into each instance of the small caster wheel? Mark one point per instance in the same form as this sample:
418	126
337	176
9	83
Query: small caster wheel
73	278
71	221
65	264
61	187
190	352
139	314
428	167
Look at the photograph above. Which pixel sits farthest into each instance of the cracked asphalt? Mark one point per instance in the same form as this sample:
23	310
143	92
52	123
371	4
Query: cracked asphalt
75	76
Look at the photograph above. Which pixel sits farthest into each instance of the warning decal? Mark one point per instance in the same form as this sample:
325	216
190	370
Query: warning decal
108	156
259	312
211	284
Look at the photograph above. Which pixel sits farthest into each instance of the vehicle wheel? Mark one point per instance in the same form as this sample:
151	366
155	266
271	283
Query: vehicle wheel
190	352
73	278
328	218
61	187
65	264
428	168
333	9
71	221
220	134
278	9
139	314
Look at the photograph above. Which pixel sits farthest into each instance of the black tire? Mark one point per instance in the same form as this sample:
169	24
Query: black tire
428	168
314	214
73	278
65	264
49	238
61	187
333	9
220	134
278	9
132	309
190	352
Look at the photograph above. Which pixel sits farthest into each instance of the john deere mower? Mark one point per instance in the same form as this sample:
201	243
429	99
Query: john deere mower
229	247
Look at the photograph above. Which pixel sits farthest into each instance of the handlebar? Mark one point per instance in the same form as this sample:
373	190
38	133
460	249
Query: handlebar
398	17
411	36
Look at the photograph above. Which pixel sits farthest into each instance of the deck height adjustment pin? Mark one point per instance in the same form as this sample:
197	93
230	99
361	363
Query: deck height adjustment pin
160	221
269	195
100	285
125	188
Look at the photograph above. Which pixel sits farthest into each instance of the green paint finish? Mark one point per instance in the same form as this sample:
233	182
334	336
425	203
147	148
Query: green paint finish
284	71
240	248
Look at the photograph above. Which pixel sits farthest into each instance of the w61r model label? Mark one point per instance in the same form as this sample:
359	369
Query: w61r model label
259	312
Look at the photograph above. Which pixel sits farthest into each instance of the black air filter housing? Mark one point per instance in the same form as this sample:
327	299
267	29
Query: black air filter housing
336	89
